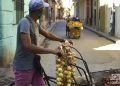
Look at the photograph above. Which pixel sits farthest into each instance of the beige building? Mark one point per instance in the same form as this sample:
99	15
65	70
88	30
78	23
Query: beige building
117	24
88	11
95	14
83	10
80	9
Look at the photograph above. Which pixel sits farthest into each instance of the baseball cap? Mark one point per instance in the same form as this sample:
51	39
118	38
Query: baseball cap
37	4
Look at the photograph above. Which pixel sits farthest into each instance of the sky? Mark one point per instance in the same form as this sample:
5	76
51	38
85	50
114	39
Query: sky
67	3
110	2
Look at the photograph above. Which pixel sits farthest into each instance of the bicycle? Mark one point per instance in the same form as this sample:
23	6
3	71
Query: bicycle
87	74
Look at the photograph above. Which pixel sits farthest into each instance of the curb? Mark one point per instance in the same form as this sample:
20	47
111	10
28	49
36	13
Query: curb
107	36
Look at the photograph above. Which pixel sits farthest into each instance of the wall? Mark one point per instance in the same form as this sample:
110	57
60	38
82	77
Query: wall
117	22
98	4
26	7
7	32
83	10
103	18
78	8
95	14
108	21
53	12
75	12
89	12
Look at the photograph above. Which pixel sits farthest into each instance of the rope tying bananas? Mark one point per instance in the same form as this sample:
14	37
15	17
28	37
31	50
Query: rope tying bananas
63	69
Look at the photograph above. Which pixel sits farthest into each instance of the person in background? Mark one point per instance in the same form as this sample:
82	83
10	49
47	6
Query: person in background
28	46
67	27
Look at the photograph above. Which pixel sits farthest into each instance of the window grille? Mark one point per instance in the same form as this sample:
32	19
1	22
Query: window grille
19	7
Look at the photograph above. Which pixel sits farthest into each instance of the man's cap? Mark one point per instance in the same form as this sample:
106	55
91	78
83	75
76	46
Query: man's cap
37	4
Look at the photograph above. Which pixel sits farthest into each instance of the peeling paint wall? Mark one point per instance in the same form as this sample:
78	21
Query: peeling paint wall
8	30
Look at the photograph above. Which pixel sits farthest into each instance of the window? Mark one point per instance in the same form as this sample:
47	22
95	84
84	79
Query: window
19	6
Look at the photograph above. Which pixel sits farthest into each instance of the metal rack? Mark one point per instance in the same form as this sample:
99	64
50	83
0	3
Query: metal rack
85	70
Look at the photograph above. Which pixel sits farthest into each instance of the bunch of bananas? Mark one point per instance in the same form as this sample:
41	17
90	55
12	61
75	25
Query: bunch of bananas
64	70
76	24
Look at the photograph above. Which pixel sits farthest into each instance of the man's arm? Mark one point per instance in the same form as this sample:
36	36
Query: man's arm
50	36
27	44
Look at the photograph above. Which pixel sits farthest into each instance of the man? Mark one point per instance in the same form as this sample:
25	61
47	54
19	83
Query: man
27	34
67	27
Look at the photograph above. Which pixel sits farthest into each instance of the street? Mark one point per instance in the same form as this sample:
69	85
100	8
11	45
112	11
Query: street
97	60
98	45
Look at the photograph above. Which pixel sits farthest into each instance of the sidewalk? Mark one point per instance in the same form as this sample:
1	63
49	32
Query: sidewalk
105	35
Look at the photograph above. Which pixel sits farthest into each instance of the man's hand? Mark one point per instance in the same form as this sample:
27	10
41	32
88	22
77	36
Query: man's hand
70	41
58	52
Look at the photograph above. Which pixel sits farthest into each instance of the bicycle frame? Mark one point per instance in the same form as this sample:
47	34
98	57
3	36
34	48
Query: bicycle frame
86	71
88	77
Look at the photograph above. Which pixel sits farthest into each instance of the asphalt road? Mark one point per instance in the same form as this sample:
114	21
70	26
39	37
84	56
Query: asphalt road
97	60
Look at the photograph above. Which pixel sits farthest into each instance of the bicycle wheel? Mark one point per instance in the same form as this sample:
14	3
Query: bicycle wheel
12	84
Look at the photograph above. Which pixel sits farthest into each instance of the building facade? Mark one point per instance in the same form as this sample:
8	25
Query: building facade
117	22
11	11
80	9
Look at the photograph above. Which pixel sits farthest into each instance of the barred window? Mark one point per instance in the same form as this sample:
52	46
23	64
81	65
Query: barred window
19	9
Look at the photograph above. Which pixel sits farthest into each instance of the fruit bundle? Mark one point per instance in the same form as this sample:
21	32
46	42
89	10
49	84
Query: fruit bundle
64	70
77	24
73	24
